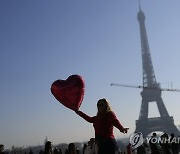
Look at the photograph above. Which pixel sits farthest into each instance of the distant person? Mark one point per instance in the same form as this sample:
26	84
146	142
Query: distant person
56	150
174	144
129	148
103	124
77	151
60	151
153	144
1	149
90	148
30	152
141	149
71	149
48	148
165	144
84	147
41	152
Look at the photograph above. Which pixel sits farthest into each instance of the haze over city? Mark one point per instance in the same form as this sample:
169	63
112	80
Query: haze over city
42	41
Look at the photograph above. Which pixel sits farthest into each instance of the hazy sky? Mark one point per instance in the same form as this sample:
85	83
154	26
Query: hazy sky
42	41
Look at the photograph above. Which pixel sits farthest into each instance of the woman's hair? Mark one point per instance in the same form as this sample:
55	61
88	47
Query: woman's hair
104	102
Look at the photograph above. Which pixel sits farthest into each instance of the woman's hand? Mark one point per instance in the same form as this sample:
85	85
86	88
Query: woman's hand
124	130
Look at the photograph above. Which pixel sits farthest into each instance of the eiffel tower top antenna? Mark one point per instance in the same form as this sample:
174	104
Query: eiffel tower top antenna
139	5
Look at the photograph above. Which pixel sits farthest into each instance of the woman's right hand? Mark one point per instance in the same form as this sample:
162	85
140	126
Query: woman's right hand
124	130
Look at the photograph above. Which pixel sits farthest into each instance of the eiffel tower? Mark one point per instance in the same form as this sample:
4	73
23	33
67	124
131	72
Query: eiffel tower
164	123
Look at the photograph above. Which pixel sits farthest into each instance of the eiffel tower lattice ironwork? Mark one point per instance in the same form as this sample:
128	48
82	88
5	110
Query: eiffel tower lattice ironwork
164	123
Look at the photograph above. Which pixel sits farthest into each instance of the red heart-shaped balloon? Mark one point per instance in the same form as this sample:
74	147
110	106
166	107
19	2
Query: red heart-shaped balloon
69	92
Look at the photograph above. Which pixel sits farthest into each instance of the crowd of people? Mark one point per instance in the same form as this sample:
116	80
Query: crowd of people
163	144
155	144
158	144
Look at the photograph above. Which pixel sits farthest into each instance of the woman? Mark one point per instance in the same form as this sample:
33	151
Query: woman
103	124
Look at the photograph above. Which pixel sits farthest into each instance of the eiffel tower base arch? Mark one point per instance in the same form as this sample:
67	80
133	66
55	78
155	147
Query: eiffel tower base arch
163	124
